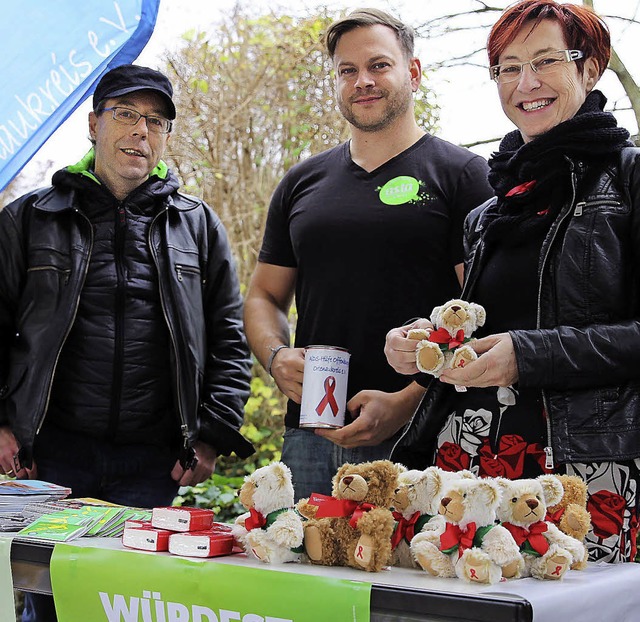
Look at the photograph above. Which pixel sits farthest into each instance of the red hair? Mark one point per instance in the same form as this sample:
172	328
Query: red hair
582	29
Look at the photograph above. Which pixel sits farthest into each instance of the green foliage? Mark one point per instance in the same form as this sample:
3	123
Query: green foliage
218	493
264	427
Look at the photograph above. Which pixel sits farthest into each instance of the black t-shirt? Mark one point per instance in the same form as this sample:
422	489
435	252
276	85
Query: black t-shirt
372	250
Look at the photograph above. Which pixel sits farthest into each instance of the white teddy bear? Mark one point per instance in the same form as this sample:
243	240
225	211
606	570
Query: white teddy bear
272	530
547	552
471	546
445	347
415	508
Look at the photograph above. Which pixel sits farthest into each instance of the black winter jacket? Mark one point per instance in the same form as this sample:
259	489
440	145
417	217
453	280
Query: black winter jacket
585	354
45	245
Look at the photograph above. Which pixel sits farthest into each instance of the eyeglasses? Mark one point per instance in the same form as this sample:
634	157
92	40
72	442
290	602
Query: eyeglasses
127	116
544	64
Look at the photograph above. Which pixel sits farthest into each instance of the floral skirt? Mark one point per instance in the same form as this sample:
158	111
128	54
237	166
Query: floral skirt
613	504
493	434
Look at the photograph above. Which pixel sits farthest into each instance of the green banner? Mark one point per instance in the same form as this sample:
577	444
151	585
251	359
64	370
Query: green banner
129	586
7	605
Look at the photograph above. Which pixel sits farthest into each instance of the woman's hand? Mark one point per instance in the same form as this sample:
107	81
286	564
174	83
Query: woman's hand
496	365
401	351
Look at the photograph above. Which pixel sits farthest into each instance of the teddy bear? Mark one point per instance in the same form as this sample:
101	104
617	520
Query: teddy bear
412	501
472	546
570	514
446	346
547	552
415	508
272	530
353	527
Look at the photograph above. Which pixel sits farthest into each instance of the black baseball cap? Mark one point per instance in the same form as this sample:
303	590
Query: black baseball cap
130	78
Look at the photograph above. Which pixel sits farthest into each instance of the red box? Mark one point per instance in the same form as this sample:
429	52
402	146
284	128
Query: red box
146	538
137	523
210	543
182	519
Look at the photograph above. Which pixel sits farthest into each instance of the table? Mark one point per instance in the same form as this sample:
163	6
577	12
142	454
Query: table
601	592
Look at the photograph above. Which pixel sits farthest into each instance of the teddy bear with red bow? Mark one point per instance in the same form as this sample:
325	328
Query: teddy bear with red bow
547	552
471	546
353	526
446	347
271	530
415	508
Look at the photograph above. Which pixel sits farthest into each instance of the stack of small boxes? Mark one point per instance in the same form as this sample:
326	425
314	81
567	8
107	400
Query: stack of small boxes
190	532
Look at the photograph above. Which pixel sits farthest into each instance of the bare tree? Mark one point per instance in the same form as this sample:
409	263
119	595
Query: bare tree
466	29
256	95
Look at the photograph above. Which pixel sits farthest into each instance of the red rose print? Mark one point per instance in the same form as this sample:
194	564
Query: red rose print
607	511
451	457
490	465
507	462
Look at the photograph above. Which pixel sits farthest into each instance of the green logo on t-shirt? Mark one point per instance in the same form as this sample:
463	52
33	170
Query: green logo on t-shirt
400	190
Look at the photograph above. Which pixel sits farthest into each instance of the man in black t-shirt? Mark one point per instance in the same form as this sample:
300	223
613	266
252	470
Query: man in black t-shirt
368	235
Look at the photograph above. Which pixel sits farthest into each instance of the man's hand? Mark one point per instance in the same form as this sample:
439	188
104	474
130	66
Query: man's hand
496	365
203	469
287	370
8	449
400	351
378	416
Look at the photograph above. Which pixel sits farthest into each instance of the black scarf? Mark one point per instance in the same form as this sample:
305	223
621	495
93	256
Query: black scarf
532	180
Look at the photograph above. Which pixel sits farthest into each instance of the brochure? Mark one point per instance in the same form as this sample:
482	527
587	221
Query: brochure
70	523
16	493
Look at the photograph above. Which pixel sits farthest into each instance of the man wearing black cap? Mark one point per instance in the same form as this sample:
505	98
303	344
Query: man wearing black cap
123	365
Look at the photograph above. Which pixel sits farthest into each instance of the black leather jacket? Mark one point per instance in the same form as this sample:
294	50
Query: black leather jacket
585	354
45	244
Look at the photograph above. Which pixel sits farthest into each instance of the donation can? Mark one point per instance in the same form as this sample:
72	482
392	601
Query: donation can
324	387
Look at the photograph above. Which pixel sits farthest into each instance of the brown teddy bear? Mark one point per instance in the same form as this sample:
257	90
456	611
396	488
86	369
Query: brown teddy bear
354	526
570	514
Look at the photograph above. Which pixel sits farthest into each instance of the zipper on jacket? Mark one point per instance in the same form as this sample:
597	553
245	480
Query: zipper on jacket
548	458
180	268
66	273
120	301
71	322
184	427
577	210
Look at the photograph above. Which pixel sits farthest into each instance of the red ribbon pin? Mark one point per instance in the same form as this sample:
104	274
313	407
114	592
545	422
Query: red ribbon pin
521	189
328	399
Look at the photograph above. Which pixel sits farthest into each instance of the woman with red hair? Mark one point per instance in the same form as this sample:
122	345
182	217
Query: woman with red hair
555	260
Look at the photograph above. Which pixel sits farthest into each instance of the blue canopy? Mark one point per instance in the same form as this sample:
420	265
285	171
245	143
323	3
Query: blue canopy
52	56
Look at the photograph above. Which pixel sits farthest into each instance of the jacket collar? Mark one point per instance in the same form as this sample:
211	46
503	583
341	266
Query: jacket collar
61	196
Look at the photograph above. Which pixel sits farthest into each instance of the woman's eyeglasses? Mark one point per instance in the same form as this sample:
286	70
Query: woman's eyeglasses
544	64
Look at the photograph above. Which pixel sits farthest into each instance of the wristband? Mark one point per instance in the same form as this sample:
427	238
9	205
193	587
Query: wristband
272	356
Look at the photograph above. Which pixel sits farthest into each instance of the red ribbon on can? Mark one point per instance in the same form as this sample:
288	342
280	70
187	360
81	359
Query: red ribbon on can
328	399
